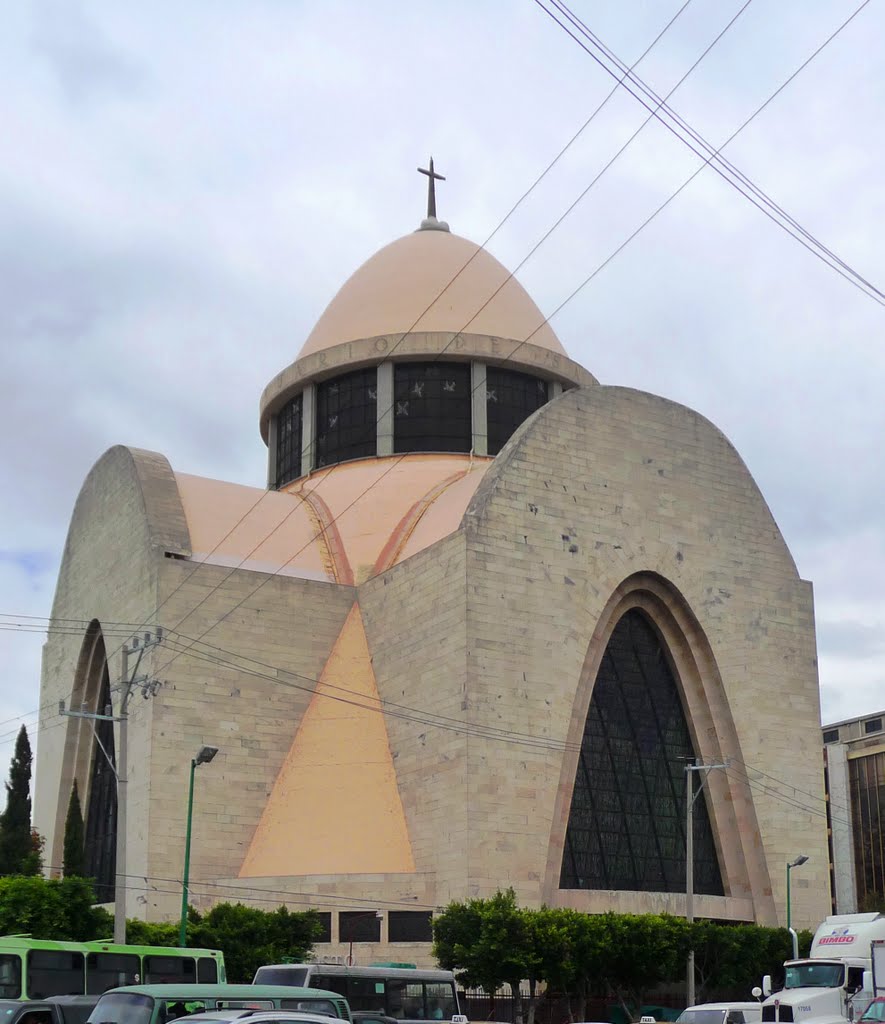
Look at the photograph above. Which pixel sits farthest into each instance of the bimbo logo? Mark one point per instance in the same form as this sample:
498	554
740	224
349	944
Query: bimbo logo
838	937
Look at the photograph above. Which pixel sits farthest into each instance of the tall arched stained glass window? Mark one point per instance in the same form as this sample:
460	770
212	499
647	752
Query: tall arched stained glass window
626	826
100	845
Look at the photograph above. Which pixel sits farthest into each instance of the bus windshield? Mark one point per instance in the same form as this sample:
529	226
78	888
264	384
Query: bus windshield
811	975
296	976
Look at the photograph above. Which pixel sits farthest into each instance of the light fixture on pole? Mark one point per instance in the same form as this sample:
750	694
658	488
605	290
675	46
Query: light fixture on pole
204	756
798	862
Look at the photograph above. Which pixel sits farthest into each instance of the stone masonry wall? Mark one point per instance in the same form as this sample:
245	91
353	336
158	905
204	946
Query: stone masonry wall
600	484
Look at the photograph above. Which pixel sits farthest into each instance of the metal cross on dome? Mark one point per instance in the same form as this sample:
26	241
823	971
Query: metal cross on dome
432	178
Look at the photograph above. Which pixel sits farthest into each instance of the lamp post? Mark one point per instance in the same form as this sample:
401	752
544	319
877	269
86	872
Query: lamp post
369	913
798	862
204	756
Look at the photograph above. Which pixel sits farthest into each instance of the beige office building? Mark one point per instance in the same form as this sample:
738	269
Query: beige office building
468	636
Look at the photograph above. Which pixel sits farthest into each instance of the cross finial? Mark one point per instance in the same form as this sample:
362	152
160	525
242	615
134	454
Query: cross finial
432	179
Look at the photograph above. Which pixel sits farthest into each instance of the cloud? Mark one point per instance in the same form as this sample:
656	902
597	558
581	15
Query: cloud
184	188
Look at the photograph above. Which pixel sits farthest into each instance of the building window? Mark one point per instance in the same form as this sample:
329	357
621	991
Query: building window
510	398
626	826
409	926
831	736
326	925
346	419
289	434
867	781
359	926
100	843
872	725
431	408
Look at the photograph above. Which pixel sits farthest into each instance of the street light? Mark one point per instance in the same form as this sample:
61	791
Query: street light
798	862
353	920
204	756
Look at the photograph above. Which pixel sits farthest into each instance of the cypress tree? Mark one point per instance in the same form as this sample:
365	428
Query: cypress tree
16	846
74	861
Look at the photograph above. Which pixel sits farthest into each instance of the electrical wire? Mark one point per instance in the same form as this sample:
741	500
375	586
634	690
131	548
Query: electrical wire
790	226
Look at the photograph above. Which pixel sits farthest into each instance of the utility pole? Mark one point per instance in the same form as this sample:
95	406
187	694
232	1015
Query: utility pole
128	681
690	797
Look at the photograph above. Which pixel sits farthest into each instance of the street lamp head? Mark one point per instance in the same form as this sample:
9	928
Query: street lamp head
799	861
205	755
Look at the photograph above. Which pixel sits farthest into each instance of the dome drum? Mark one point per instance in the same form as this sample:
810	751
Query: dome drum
441	346
402	407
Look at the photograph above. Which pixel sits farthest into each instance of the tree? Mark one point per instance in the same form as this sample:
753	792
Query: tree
73	861
490	943
249	937
16	842
52	909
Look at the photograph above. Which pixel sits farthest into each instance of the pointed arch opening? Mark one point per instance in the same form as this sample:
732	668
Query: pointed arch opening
90	758
650	691
627	822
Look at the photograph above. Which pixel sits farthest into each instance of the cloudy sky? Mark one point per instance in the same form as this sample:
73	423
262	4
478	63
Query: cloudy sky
184	187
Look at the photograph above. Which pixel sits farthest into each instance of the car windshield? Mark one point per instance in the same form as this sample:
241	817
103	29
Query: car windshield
875	1011
814	976
122	1008
698	1016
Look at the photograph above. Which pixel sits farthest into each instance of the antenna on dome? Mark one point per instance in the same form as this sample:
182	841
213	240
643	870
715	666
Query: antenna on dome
430	223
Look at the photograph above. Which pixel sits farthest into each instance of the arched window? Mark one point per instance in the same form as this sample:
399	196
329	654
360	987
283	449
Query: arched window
626	828
100	846
289	435
511	398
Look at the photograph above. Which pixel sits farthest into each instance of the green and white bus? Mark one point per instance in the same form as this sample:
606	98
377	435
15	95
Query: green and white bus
38	968
403	991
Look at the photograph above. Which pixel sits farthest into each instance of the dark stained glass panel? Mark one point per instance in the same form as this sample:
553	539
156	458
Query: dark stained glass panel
432	405
359	926
100	845
289	434
867	779
346	419
626	827
510	399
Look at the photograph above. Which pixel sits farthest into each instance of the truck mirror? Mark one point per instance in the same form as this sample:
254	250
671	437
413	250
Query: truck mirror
766	985
868	981
756	993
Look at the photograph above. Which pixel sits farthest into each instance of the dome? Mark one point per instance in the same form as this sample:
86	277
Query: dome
411	285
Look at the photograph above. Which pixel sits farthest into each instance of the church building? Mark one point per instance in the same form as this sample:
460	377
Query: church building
471	633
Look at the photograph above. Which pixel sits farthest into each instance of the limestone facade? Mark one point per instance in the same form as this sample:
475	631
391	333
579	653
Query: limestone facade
399	711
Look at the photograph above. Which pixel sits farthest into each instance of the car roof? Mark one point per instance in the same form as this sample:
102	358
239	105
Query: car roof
222	991
235	1013
748	1005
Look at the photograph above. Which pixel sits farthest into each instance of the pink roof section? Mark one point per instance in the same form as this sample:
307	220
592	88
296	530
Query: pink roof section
340	525
431	281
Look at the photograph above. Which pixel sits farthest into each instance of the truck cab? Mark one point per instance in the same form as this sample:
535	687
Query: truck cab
834	984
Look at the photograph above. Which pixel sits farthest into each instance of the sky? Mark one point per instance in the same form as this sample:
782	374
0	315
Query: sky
184	187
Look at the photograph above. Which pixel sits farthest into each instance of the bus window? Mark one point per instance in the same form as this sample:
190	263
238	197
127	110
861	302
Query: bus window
207	971
365	994
169	970
10	976
244	1004
440	1000
405	999
322	1006
55	973
111	970
330	982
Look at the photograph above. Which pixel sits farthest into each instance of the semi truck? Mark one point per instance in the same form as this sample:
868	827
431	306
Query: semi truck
835	983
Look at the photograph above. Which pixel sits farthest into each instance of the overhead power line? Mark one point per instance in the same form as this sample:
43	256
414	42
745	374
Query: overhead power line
694	141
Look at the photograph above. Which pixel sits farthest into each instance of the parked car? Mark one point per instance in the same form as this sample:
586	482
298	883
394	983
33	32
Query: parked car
370	1017
54	1010
875	1011
721	1013
255	1017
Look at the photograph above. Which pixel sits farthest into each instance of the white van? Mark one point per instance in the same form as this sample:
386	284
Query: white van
722	1013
